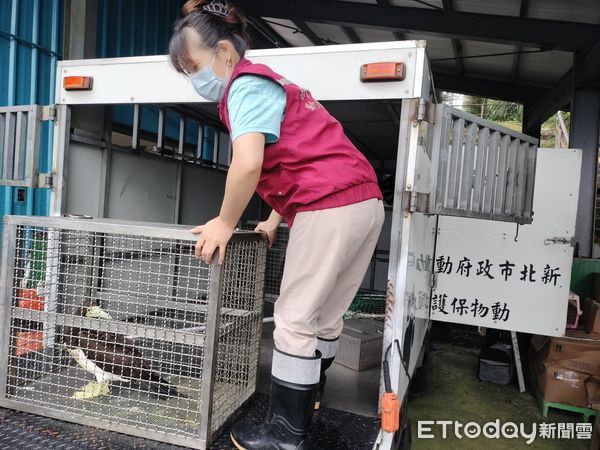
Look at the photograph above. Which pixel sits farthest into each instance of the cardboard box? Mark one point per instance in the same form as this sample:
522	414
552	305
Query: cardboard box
561	385
591	315
581	355
583	335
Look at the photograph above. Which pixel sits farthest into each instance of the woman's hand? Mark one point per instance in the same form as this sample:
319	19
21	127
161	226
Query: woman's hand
269	227
214	234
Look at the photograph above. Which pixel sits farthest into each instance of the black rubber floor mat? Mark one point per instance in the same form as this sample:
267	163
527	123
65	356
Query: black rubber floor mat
331	429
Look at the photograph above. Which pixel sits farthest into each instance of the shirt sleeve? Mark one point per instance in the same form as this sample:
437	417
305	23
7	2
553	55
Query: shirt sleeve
256	105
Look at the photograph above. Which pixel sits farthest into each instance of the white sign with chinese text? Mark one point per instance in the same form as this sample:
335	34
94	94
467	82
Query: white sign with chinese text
498	275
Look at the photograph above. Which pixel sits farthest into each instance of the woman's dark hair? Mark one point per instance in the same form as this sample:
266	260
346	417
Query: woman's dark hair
213	21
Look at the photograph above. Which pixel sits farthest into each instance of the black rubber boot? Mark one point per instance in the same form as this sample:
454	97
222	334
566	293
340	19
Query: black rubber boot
328	349
325	364
288	420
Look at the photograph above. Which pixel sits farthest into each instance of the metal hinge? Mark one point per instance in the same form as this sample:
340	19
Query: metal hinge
426	111
432	280
48	113
559	240
45	180
413	201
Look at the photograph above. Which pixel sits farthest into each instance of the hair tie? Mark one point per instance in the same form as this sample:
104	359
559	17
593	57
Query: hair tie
217	8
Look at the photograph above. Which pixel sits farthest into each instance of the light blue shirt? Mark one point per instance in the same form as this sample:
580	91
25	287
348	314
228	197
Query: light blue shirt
256	105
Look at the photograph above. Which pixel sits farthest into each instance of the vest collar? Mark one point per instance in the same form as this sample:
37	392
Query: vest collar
243	62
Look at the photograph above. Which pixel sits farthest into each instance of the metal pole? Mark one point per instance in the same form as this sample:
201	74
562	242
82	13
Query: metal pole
210	348
585	128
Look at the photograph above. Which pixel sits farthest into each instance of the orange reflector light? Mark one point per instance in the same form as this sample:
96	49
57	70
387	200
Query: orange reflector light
390	412
75	83
382	71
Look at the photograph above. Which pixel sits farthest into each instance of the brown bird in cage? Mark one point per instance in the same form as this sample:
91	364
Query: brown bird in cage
111	357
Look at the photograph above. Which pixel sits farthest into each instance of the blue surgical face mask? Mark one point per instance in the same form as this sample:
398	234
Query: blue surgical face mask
209	85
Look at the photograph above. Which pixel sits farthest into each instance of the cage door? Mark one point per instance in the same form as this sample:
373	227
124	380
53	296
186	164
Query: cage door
504	276
480	169
20	144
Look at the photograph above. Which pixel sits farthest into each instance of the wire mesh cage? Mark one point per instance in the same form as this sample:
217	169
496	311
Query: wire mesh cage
369	301
275	259
117	325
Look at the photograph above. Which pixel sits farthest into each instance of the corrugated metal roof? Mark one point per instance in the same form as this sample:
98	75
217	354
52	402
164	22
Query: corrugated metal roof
501	8
331	33
474	57
585	11
295	39
374	35
494	66
546	68
413	4
437	48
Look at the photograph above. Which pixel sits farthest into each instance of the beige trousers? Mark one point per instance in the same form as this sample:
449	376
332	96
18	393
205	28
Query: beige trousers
328	254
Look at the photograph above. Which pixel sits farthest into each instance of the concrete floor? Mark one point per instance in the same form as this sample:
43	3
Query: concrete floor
445	388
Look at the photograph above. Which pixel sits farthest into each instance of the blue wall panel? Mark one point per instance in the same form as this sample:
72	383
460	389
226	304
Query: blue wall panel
140	28
135	27
30	46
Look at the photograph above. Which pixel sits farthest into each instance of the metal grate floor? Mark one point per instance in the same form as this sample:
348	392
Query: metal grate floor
331	429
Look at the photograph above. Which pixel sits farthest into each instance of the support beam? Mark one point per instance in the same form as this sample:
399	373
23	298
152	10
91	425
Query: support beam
535	131
397	34
585	135
518	48
559	35
308	32
80	29
456	44
501	90
269	33
561	94
349	31
585	120
547	104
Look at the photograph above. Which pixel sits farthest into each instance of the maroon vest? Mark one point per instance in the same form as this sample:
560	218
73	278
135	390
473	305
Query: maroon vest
313	165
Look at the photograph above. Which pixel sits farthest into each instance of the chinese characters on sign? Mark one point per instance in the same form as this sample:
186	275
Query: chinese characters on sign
505	270
475	308
502	271
421	263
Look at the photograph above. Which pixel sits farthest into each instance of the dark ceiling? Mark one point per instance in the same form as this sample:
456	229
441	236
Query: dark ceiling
516	50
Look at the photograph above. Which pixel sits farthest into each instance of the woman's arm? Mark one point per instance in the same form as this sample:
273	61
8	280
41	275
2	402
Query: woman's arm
270	226
275	218
242	179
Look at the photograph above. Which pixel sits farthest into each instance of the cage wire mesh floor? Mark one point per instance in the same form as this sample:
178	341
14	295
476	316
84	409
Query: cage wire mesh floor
331	429
118	325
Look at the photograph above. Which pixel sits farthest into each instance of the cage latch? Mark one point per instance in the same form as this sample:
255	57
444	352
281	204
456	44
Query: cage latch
559	240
